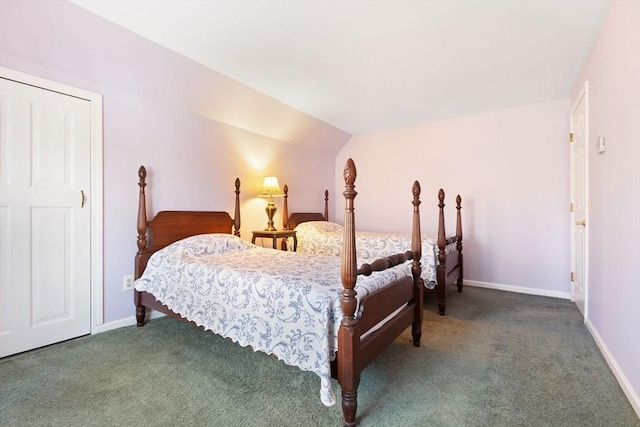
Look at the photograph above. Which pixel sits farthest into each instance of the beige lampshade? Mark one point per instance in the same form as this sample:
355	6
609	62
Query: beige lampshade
270	187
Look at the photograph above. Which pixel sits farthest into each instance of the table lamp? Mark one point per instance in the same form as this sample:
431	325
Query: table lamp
270	189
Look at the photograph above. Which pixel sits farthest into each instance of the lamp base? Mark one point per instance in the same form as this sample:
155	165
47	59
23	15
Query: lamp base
270	210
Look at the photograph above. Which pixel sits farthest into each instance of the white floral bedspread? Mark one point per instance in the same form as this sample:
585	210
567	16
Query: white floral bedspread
278	302
325	238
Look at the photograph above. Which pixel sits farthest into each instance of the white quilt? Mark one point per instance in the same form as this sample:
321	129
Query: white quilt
278	302
325	238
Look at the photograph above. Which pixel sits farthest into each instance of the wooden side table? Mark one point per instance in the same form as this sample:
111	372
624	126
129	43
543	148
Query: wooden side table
275	235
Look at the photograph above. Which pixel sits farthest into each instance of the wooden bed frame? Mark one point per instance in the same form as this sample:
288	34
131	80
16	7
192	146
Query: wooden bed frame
450	266
355	350
289	222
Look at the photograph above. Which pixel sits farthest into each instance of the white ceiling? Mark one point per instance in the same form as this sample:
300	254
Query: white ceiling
365	66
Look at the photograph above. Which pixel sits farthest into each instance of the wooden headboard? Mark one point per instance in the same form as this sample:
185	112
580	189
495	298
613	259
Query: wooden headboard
289	222
170	226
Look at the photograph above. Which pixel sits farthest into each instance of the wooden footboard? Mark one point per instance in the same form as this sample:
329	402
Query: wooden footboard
354	351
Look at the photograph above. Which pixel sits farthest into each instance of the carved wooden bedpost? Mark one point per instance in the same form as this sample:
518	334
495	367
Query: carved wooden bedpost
236	214
441	288
285	215
285	208
416	269
348	336
142	241
459	242
326	205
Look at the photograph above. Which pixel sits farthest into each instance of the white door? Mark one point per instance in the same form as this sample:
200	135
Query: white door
579	200
45	218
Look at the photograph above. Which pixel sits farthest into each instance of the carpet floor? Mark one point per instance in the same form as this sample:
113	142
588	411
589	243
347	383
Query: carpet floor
496	359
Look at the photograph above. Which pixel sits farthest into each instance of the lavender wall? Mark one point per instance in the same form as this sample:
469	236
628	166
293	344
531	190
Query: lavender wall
196	130
511	168
613	73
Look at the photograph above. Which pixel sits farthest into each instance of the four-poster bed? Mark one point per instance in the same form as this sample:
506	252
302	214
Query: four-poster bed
441	254
364	309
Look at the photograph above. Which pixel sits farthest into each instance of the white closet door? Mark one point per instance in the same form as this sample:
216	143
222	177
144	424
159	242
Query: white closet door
45	220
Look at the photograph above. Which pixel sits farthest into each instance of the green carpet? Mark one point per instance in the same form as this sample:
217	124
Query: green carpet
496	359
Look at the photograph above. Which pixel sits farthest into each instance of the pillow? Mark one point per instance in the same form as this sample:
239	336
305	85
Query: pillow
321	226
215	243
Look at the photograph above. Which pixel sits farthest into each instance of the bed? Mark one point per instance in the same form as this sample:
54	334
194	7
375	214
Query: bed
193	266
441	254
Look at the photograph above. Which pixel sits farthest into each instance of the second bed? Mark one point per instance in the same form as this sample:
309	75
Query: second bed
441	261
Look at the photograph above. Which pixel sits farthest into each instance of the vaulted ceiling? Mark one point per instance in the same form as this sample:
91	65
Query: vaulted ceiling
365	66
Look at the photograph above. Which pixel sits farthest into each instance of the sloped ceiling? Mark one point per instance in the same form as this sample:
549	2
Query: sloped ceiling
365	66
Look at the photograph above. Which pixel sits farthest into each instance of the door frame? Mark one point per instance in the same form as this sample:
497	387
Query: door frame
95	100
582	94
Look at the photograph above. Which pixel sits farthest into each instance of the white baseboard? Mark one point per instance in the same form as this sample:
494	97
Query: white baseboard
518	289
127	321
628	390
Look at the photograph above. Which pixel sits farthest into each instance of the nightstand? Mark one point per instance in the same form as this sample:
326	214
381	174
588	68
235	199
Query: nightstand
275	235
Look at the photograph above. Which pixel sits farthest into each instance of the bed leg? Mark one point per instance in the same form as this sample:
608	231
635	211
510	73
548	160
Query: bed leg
348	369
441	289
140	315
441	294
459	282
349	407
416	333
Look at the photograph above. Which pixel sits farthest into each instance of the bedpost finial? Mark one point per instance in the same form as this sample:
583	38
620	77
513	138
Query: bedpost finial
441	195
349	172
458	200
326	194
142	173
237	184
415	190
285	189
